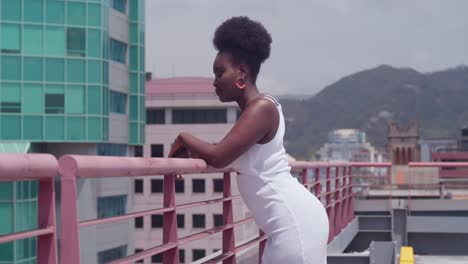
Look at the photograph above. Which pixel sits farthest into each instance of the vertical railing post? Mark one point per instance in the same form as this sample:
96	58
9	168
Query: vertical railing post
305	180
337	202
329	206
344	195
350	195
229	246
170	221
46	244
318	186
69	237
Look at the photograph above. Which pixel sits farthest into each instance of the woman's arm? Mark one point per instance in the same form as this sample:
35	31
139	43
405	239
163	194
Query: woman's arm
258	119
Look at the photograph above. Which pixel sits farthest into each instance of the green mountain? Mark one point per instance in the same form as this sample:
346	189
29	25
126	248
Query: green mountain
369	99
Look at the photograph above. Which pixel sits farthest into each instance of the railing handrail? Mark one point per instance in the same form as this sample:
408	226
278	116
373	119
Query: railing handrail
338	197
27	166
438	164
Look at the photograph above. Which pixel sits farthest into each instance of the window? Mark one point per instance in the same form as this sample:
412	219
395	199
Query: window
111	206
157	186
198	254
180	221
198	185
198	220
155	116
199	116
218	220
76	42
157	258
118	102
75	101
10	100
182	255
157	151
138	151
139	222
107	149
119	5
54	103
179	186
10	38
138	250
112	254
156	221
218	185
138	186
118	51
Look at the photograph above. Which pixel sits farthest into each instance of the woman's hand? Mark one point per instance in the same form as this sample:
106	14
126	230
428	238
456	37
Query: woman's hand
177	150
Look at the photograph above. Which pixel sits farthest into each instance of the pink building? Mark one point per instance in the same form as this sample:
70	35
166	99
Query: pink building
172	106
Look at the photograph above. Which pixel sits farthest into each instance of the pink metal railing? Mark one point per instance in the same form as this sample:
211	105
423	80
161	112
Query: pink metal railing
332	184
41	167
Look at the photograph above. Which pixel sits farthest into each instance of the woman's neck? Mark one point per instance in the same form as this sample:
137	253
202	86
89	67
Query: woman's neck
250	93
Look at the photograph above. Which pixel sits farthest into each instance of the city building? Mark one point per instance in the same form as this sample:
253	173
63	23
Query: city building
402	144
72	82
429	146
175	105
348	145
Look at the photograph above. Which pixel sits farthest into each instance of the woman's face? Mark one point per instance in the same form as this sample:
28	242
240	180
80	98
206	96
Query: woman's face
226	76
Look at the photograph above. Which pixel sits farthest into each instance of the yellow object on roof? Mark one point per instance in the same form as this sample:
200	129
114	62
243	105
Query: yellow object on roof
406	255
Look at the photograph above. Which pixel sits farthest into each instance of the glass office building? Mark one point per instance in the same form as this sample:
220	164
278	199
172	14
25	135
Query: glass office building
71	74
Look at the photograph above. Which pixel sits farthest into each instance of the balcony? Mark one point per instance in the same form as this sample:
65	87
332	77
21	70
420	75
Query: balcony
343	188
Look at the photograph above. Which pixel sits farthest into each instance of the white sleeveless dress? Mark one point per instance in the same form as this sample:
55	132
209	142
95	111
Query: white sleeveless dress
294	220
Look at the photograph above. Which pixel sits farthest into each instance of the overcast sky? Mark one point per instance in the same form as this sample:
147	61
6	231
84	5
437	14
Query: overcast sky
315	42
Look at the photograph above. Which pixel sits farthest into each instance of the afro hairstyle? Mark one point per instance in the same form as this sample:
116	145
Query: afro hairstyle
246	40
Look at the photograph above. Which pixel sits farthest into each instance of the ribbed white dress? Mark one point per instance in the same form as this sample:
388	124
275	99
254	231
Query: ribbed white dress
294	219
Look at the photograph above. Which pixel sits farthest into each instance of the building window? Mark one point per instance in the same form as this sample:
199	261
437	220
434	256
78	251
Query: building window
155	116
198	220
180	221
119	5
180	186
107	149
156	221
10	98
118	102
218	220
199	116
218	185
138	186
182	255
157	258
138	151
10	107
198	185
198	254
157	186
139	222
118	51
111	206
157	151
138	250
112	254
76	42
54	103
10	39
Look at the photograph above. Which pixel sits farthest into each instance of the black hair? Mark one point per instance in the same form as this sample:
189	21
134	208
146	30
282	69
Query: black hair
246	40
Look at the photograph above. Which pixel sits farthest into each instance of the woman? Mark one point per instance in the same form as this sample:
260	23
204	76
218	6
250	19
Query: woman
294	220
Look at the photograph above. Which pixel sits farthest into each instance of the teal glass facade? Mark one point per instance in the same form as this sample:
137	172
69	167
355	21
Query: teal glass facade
54	70
18	212
54	87
137	109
